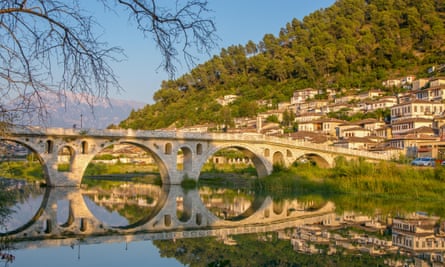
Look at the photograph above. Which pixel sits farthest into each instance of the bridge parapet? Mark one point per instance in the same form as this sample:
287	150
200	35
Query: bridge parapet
252	137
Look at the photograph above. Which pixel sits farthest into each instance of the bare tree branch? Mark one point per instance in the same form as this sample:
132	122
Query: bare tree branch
53	46
175	30
49	46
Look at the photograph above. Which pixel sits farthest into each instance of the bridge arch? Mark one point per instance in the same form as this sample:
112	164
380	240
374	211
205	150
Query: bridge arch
315	158
34	150
262	165
278	159
185	160
160	162
289	153
65	155
278	207
157	157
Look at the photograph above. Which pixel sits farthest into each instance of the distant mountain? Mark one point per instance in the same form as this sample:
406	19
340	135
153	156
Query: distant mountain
75	111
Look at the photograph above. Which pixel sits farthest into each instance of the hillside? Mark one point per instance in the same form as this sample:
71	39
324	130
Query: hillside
352	44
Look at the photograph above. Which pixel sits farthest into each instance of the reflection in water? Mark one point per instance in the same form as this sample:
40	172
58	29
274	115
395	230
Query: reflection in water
226	203
121	204
19	204
231	228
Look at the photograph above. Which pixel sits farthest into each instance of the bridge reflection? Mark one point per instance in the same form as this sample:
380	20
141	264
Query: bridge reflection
160	218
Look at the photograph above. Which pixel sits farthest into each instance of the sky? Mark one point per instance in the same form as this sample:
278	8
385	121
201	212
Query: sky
237	22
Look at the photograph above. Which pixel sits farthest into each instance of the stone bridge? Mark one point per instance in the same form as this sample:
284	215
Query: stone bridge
83	145
263	215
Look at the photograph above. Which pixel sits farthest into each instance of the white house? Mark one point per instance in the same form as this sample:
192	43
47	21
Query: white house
419	84
416	109
302	95
404	126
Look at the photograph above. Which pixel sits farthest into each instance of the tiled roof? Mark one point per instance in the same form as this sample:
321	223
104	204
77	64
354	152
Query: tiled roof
356	129
417	102
423	129
311	136
354	139
413	137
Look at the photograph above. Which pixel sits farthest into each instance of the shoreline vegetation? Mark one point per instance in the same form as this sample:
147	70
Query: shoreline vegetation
385	187
359	177
348	176
348	182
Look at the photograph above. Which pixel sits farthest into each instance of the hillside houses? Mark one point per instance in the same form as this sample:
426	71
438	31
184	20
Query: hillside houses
411	122
415	126
404	82
381	103
327	126
226	100
301	96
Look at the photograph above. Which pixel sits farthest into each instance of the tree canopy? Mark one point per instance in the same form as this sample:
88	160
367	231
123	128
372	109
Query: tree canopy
352	44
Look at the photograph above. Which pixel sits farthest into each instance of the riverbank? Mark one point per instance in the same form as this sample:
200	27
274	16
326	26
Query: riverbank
31	171
360	185
360	177
386	179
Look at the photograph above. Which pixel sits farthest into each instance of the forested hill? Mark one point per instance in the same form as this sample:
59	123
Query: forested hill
352	44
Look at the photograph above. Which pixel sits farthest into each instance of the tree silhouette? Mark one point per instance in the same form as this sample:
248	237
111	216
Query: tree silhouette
53	46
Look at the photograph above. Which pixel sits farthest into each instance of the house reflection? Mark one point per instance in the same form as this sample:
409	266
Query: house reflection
226	203
419	237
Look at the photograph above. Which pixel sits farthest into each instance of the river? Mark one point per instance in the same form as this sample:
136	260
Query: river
113	223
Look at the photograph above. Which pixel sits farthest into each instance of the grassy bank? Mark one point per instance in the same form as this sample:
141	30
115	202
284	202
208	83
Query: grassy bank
94	169
31	171
359	177
362	185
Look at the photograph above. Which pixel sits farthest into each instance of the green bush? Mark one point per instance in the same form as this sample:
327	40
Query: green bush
63	167
188	183
95	169
104	157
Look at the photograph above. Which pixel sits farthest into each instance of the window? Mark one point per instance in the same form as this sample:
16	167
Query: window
84	147
199	149
49	146
168	149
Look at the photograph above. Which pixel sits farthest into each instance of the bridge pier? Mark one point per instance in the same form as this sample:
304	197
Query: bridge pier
71	177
